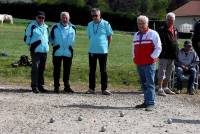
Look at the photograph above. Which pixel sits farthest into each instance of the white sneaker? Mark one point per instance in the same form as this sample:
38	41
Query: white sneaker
168	91
161	92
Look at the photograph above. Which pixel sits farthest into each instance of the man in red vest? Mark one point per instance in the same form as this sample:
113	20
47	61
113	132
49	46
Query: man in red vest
146	49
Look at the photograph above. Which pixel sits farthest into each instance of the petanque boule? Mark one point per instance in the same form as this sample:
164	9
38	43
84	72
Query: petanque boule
121	114
103	129
169	121
51	120
80	118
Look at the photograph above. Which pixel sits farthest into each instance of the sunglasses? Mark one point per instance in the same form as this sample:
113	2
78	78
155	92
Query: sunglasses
41	17
94	15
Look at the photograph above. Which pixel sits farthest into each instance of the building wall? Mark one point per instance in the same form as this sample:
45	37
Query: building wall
182	20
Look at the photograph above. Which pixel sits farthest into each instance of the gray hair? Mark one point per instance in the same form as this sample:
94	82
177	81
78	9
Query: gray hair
65	13
94	10
143	18
169	15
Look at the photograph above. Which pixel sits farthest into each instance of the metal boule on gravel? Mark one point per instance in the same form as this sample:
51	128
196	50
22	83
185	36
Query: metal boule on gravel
51	120
169	121
80	118
103	129
121	114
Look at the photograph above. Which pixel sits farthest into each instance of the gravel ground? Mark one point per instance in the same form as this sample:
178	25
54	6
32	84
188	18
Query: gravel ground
21	111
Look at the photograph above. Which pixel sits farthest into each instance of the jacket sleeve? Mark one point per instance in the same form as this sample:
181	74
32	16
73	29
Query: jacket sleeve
88	31
29	33
133	46
52	35
157	46
195	60
74	35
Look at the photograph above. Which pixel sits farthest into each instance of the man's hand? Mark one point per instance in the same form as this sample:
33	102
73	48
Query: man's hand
185	67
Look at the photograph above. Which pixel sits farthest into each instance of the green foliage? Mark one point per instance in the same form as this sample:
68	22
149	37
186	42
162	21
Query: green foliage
45	1
159	8
136	6
154	8
78	3
151	8
103	5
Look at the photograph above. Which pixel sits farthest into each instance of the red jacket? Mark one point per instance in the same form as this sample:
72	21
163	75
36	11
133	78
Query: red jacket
146	48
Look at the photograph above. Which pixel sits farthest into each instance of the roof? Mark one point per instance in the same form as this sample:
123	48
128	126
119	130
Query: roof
191	8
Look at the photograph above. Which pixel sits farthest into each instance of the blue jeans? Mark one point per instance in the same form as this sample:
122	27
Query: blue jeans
147	74
180	77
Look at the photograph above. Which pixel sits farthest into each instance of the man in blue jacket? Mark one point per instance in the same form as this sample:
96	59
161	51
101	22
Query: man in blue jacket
62	37
36	37
99	33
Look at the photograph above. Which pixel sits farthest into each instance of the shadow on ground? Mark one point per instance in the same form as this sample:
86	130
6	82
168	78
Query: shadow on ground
10	90
86	106
25	90
186	121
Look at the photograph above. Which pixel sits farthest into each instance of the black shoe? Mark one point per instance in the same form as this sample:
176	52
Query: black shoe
191	93
56	90
141	106
42	90
90	91
68	90
106	92
35	90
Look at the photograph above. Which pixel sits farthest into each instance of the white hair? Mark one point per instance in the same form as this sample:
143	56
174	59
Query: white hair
143	18
169	15
65	13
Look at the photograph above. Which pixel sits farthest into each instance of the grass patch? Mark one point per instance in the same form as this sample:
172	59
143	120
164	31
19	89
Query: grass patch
121	70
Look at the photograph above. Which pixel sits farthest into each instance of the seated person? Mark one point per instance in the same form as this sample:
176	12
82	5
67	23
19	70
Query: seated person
186	64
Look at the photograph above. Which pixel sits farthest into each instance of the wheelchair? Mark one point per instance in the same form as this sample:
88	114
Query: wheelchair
173	83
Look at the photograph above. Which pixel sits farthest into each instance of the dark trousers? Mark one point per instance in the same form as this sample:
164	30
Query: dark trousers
67	62
92	74
38	67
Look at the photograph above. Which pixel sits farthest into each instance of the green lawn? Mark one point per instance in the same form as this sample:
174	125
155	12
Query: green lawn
121	70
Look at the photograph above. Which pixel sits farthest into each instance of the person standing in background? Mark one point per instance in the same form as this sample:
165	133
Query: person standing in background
168	36
99	33
36	37
62	37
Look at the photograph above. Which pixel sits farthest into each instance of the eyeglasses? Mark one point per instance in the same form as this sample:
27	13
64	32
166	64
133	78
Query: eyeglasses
41	17
94	15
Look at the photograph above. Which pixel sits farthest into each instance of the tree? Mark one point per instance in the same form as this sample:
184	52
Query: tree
103	5
159	8
78	3
153	8
45	1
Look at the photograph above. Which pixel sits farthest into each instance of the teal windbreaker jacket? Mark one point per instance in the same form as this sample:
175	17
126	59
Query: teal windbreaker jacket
36	36
62	39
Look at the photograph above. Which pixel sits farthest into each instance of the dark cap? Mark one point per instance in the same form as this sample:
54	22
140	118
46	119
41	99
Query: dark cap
40	13
187	43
